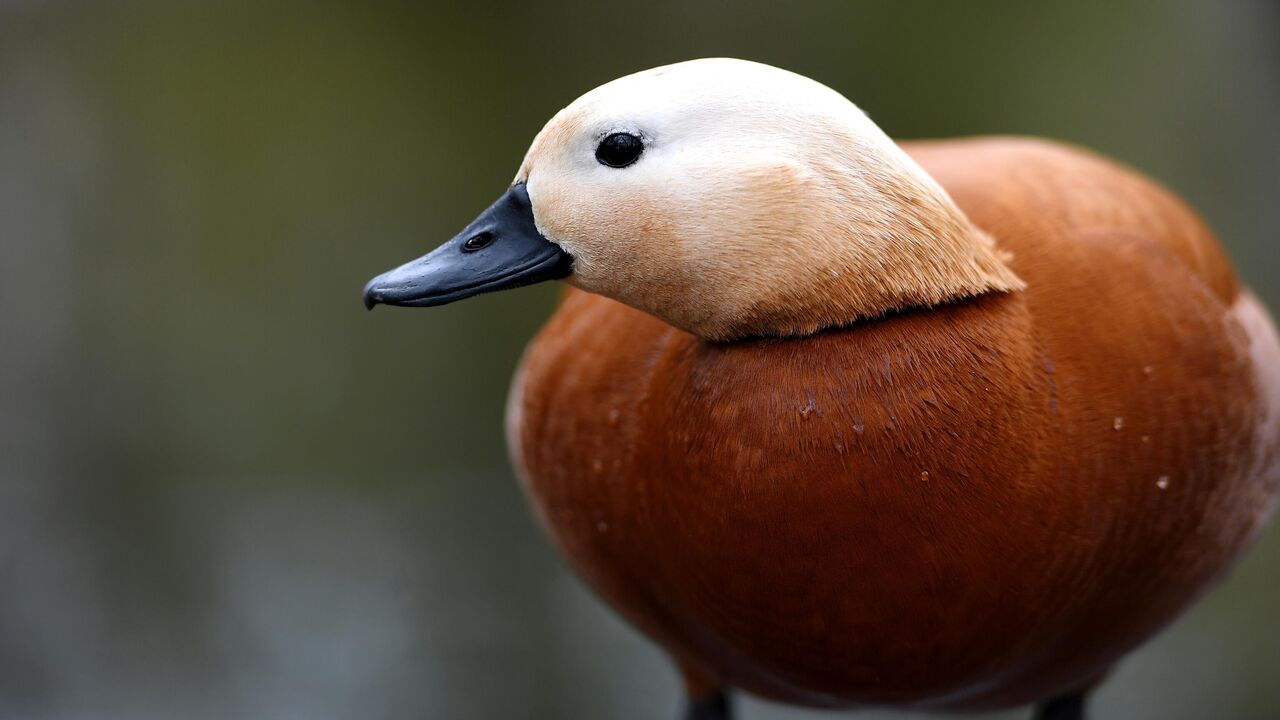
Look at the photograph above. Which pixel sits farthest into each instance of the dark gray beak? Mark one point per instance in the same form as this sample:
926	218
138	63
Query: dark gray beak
501	249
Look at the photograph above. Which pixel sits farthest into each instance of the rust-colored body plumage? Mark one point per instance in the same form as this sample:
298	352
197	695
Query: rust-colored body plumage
974	505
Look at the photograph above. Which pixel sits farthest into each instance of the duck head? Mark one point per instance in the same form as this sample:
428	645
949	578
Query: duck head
726	197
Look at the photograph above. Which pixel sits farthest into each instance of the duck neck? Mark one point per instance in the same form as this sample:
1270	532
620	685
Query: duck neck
868	240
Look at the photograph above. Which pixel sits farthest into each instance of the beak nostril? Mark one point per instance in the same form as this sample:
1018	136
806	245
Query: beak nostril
475	242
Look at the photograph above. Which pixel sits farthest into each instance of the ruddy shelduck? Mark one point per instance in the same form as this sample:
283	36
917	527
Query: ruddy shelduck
841	422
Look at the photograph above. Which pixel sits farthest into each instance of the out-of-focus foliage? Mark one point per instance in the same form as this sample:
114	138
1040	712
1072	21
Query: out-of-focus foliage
228	491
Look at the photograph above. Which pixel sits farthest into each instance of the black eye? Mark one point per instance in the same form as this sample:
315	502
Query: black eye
619	150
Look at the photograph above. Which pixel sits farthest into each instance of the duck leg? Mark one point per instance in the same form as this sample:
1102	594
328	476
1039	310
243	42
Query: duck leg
708	698
712	706
1063	707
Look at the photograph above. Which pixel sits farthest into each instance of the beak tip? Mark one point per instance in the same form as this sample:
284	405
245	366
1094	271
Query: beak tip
371	297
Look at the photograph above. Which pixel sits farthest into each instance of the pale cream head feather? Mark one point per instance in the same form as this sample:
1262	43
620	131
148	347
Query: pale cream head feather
764	203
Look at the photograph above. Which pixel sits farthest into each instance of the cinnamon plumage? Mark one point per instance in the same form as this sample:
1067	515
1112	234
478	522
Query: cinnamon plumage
950	425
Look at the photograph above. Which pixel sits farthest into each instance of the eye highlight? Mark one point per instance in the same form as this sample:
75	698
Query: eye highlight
619	150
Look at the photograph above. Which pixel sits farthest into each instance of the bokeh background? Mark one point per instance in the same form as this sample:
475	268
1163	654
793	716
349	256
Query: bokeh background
227	491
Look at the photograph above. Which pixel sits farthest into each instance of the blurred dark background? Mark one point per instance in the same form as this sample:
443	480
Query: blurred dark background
227	491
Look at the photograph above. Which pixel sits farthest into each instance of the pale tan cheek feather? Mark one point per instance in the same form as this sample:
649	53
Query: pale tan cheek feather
637	257
796	254
862	254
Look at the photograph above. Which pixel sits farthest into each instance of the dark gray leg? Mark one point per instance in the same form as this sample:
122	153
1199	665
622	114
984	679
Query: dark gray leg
1063	707
714	706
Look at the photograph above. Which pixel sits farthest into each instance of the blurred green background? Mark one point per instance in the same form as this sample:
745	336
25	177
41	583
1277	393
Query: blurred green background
227	491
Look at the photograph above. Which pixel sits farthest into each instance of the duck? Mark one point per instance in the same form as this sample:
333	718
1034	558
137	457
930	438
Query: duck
841	422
